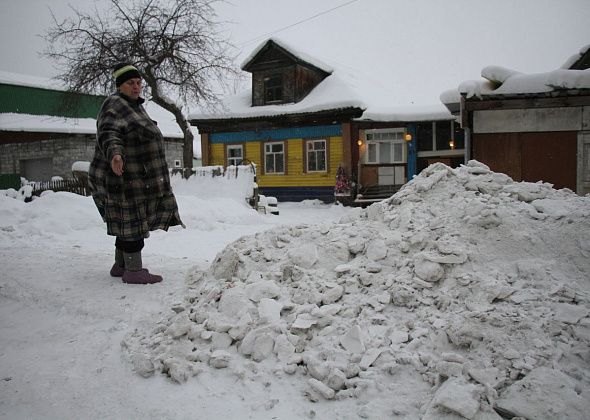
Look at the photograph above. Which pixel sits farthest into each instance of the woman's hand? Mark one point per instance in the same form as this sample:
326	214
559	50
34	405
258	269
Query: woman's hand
117	165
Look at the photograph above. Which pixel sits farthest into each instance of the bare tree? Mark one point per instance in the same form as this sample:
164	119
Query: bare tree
174	43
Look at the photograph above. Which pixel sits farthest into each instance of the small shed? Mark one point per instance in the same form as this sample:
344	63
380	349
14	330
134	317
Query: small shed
44	128
533	127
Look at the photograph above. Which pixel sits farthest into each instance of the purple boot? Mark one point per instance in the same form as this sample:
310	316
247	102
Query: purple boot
134	273
140	277
117	270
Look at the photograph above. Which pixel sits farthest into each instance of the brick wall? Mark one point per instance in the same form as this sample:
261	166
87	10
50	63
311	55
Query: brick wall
63	152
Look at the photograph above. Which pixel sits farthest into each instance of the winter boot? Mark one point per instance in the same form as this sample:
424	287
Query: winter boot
134	274
118	267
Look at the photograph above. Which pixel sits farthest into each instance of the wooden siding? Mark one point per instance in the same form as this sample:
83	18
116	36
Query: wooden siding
295	174
38	101
288	78
217	154
270	58
546	156
305	80
205	157
316	131
252	152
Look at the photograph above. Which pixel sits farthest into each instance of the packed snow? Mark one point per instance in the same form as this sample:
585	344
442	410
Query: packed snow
464	295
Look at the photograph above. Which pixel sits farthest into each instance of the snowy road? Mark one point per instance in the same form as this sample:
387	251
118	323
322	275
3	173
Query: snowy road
62	317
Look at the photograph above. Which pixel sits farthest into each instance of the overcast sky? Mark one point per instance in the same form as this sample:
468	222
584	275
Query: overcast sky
418	48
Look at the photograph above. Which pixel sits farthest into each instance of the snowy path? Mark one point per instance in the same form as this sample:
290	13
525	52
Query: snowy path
62	320
463	295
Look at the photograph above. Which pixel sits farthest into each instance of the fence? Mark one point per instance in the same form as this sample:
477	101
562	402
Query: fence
70	185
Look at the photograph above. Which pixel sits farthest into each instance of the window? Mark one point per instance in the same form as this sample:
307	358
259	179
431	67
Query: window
440	136
274	158
424	136
273	89
316	156
458	136
443	135
386	146
235	154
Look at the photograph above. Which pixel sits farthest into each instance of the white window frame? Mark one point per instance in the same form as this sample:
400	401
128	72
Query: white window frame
399	132
232	161
266	153
317	152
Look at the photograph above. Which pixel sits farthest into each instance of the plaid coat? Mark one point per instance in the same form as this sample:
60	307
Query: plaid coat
141	200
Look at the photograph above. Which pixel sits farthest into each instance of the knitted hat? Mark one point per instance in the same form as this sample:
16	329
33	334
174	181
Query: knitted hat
123	72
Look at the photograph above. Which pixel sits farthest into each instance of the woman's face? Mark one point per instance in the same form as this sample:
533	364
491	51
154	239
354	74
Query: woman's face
131	88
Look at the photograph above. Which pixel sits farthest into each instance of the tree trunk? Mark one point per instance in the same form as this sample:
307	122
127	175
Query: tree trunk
187	146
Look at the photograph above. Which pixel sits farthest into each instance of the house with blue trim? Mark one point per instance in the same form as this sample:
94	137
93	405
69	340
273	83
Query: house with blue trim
312	128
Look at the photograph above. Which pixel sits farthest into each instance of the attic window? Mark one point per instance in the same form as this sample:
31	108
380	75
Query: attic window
273	89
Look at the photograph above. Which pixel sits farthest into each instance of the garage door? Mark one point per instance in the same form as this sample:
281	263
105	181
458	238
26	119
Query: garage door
548	156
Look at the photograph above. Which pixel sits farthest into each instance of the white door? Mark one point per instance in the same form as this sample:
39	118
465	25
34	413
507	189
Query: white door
391	175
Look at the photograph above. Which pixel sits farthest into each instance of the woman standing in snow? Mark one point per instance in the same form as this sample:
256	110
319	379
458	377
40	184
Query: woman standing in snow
129	177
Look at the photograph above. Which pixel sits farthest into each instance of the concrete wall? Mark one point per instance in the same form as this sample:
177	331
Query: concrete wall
63	152
531	120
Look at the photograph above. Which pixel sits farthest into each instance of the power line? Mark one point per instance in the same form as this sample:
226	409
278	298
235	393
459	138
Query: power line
296	23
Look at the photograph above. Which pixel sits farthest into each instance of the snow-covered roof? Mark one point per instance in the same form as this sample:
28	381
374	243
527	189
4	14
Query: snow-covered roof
500	81
343	88
45	123
30	81
572	60
290	49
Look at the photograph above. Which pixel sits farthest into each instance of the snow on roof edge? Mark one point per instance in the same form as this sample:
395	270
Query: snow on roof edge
53	124
570	61
412	113
301	55
18	79
450	96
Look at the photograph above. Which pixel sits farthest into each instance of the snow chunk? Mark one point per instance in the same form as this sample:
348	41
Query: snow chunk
569	314
352	341
304	256
497	74
429	271
458	396
544	394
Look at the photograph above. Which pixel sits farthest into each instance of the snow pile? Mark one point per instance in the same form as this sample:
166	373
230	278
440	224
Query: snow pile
464	295
213	181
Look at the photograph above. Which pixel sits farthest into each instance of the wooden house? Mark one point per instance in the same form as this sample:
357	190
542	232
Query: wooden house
302	120
532	127
44	129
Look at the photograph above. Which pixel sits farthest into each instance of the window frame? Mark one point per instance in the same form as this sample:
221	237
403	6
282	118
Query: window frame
309	142
273	89
434	150
233	146
284	153
400	132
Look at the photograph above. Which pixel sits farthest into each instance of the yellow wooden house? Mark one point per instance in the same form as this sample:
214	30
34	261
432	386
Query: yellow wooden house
303	125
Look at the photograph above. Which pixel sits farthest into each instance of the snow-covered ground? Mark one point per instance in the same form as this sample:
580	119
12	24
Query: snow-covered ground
464	291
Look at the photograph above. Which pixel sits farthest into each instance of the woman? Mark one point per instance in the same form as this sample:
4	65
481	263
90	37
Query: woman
128	176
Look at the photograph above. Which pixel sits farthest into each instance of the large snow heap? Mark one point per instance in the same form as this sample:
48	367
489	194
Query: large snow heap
465	292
